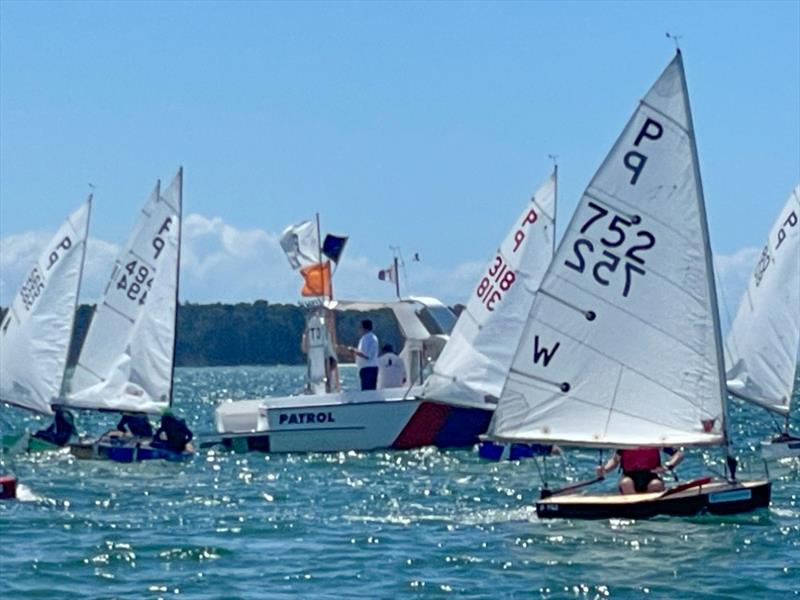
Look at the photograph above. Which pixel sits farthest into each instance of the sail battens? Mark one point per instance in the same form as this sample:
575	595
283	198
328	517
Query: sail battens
119	312
644	370
128	355
144	260
612	359
664	115
647	323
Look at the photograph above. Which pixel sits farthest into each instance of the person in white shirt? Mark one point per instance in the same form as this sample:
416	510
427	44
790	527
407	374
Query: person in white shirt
391	369
366	356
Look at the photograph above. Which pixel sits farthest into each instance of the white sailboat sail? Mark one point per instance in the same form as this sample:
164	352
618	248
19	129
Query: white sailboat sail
127	359
474	364
36	331
622	346
763	343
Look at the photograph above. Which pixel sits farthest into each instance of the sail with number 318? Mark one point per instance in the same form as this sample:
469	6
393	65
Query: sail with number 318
622	345
474	363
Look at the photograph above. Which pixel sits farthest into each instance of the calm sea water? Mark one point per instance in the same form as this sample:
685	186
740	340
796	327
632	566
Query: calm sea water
425	523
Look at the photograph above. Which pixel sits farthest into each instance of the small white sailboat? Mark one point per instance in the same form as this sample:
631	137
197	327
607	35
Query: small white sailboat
622	346
127	360
36	331
764	340
474	364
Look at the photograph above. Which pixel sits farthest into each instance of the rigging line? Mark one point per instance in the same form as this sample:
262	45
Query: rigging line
658	111
564	387
677	232
527	376
119	312
634	218
589	315
148	264
90	371
720	287
620	308
613	401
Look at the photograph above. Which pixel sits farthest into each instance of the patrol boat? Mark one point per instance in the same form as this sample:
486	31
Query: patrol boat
622	345
127	360
764	340
453	406
327	420
37	328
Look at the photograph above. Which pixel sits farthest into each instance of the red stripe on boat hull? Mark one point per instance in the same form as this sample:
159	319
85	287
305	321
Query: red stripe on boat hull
423	427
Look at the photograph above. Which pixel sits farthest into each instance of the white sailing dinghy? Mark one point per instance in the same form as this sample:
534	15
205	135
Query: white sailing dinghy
474	364
764	340
622	346
127	360
36	331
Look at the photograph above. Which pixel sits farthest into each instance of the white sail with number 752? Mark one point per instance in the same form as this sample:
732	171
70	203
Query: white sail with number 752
474	364
126	363
622	345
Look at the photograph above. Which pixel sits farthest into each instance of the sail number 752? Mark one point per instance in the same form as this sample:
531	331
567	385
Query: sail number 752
621	251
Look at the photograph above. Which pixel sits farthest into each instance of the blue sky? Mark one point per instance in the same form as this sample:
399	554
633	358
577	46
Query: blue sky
425	126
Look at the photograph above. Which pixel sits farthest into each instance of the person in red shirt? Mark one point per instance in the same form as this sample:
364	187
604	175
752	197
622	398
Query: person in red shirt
641	468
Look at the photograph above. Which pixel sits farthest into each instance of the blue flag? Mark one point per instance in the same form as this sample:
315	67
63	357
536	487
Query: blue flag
333	246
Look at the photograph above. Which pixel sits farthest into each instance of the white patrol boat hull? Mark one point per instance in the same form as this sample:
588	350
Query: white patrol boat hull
354	420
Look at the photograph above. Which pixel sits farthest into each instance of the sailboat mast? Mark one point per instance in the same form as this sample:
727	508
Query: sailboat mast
177	281
555	202
77	292
712	288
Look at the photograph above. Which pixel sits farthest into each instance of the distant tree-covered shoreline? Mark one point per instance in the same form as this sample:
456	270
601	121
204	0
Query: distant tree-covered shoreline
247	333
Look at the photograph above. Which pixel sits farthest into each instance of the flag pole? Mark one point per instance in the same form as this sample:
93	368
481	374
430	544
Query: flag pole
396	278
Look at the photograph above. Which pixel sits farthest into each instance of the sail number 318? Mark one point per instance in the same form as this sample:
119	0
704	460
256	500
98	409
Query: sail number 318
500	276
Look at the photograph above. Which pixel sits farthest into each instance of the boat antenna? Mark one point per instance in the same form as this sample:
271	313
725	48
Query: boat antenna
398	263
675	39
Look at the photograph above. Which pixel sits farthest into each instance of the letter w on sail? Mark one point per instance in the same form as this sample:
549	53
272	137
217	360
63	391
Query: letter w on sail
543	353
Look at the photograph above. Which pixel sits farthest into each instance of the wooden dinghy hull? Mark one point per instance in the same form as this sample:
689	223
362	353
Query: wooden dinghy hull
125	453
716	497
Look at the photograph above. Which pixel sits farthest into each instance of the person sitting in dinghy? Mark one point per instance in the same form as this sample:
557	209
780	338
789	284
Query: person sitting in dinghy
60	430
134	425
641	468
172	434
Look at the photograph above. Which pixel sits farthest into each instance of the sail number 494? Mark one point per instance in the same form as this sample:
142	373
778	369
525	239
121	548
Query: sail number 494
612	256
136	281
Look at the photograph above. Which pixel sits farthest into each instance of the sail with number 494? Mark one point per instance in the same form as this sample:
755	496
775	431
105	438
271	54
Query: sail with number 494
126	363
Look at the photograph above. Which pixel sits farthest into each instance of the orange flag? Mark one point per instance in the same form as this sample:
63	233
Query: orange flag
317	279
